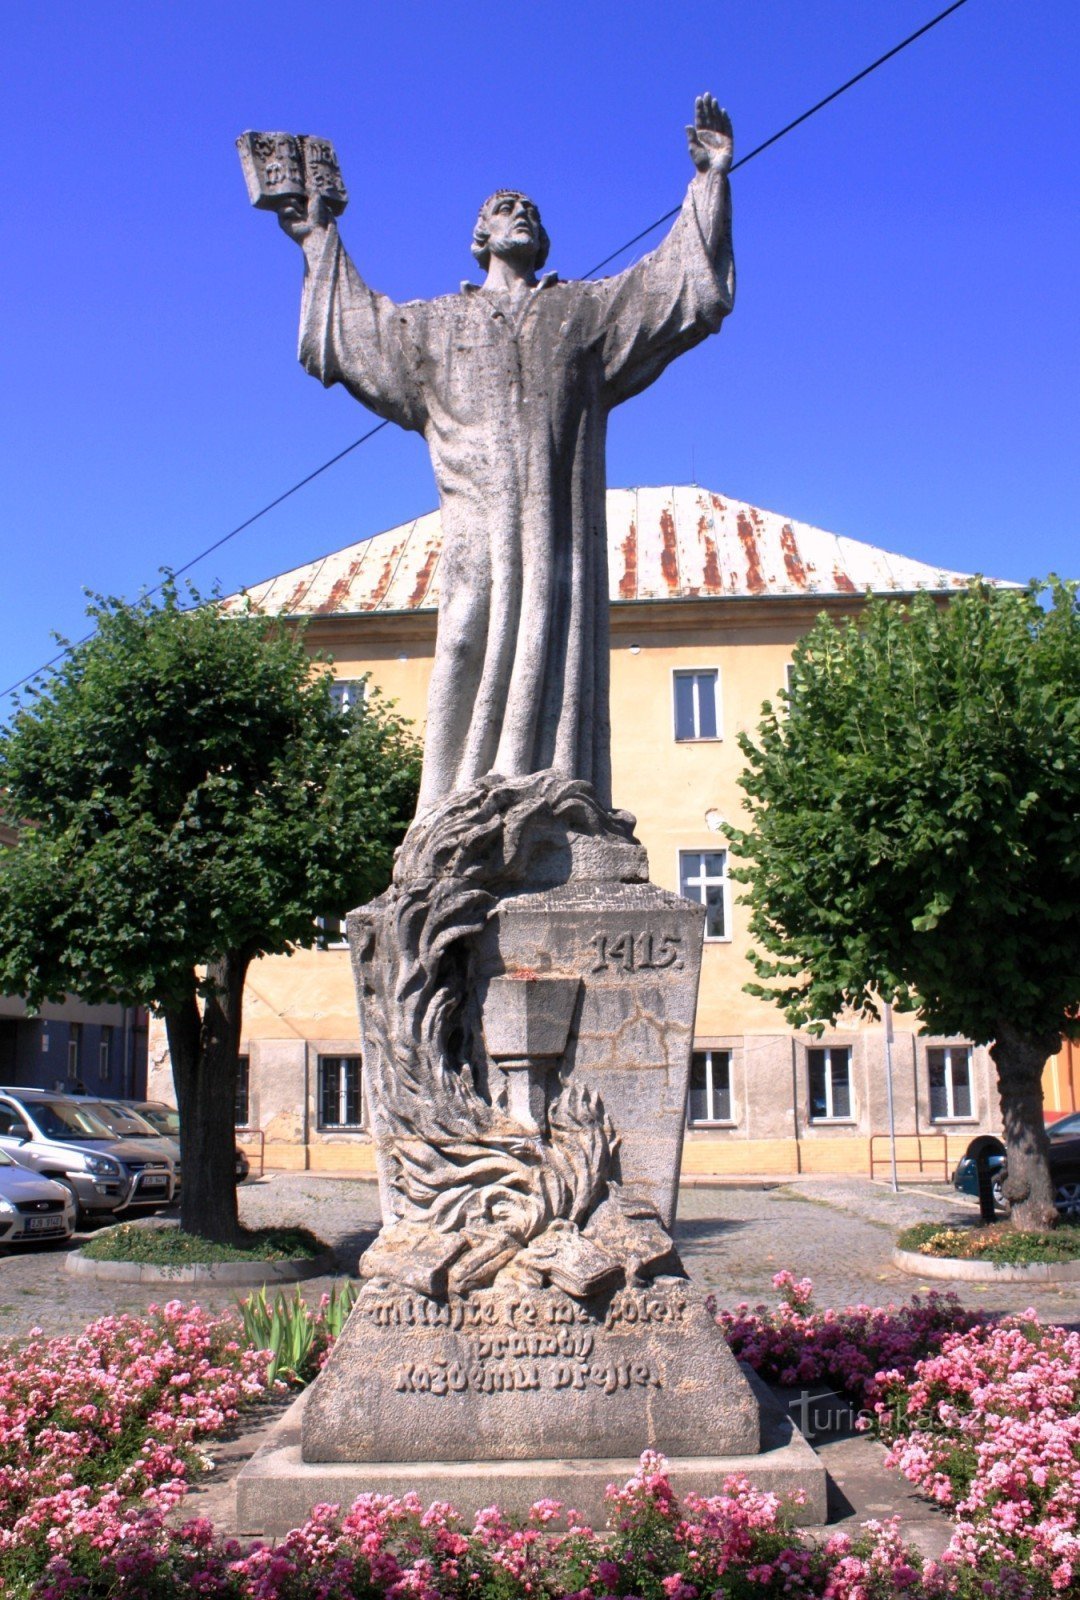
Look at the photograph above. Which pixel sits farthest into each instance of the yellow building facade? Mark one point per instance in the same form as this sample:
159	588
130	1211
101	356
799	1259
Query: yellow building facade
708	598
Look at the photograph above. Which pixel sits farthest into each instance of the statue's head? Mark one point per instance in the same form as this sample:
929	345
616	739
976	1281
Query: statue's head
509	225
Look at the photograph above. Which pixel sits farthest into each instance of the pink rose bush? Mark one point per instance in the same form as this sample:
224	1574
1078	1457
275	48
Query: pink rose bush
100	1436
796	1344
990	1428
982	1415
115	1417
735	1544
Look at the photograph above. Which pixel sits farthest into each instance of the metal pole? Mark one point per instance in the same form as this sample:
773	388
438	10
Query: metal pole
888	1087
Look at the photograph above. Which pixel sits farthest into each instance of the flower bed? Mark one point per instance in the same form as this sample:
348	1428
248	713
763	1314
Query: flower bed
99	1435
998	1243
166	1246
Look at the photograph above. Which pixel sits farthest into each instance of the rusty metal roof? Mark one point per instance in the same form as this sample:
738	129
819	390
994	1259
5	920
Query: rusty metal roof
678	543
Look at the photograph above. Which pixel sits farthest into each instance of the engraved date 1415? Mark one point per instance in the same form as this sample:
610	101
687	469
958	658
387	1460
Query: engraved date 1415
636	952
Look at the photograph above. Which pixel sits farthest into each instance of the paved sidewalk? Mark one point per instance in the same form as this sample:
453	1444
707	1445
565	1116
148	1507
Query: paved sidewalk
733	1238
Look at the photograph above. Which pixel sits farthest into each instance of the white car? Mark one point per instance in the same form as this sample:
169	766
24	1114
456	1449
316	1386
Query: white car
32	1207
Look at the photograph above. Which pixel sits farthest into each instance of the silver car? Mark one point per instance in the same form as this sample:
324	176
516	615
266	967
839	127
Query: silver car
32	1208
124	1122
54	1135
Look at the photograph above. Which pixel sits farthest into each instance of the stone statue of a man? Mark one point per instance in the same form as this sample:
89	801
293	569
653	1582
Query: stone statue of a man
511	383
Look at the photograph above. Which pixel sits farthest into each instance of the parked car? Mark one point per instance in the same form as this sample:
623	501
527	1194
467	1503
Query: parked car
966	1176
1064	1175
166	1120
32	1208
1065	1127
124	1122
57	1137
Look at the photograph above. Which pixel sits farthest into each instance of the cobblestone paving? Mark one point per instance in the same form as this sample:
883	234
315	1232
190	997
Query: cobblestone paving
837	1231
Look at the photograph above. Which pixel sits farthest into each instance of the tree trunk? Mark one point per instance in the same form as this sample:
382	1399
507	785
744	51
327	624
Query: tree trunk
1020	1061
204	1049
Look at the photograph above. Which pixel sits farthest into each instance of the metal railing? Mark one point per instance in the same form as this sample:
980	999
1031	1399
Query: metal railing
246	1136
918	1160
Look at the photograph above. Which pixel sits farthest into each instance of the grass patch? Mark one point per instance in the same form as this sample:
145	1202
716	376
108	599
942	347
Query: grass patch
171	1247
999	1243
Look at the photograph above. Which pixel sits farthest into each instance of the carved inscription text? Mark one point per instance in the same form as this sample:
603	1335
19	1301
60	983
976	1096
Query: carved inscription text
501	1343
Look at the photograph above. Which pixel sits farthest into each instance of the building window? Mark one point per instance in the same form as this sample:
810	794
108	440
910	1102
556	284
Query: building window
74	1050
710	1087
703	877
105	1055
242	1116
346	693
331	935
696	705
950	1083
340	1104
830	1085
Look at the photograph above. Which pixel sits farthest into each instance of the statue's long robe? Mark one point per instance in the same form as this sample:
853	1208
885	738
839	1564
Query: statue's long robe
512	396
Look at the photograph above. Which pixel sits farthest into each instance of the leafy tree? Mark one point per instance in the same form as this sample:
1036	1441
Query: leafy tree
191	799
915	835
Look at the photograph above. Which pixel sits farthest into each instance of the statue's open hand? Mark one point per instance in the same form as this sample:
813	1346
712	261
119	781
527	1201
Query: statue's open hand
301	218
710	137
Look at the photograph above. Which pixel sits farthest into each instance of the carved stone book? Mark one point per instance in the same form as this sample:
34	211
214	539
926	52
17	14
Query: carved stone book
284	166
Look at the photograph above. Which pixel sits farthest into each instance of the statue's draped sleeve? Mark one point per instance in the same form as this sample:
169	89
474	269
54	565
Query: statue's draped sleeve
672	298
352	335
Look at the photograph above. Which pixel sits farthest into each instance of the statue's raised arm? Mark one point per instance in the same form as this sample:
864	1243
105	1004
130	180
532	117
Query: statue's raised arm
349	333
680	292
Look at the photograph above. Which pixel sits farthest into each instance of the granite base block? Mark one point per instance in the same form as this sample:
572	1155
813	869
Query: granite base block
276	1490
509	1374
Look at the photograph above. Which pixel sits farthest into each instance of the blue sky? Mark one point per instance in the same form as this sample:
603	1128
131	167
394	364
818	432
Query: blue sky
901	366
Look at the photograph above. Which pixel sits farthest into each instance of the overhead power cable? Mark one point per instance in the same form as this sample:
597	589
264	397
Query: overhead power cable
379	426
788	127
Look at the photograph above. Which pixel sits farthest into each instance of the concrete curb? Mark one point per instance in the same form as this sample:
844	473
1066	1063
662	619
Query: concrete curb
985	1271
220	1272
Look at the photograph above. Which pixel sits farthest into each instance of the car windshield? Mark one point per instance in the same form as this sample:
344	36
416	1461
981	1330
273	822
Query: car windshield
162	1118
122	1121
6	1160
1065	1127
60	1119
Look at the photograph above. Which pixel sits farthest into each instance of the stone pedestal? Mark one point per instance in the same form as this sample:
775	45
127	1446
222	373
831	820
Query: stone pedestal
508	1375
276	1490
527	1005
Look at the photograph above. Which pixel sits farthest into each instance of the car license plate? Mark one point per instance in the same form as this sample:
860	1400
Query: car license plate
154	1180
43	1224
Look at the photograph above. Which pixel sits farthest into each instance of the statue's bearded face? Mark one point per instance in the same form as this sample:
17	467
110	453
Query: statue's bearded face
509	226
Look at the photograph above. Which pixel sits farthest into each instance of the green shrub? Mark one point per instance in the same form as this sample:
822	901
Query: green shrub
164	1246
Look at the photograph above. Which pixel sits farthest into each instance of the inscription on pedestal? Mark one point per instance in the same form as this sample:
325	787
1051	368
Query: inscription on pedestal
506	1374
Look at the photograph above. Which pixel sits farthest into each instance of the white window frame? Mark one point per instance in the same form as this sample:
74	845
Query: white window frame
712	1121
341	1126
697	673
704	883
951	1114
332	935
74	1050
348	692
105	1054
829	1051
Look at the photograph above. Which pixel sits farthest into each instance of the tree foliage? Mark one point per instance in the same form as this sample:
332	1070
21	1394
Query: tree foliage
915	836
189	789
915	816
189	798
